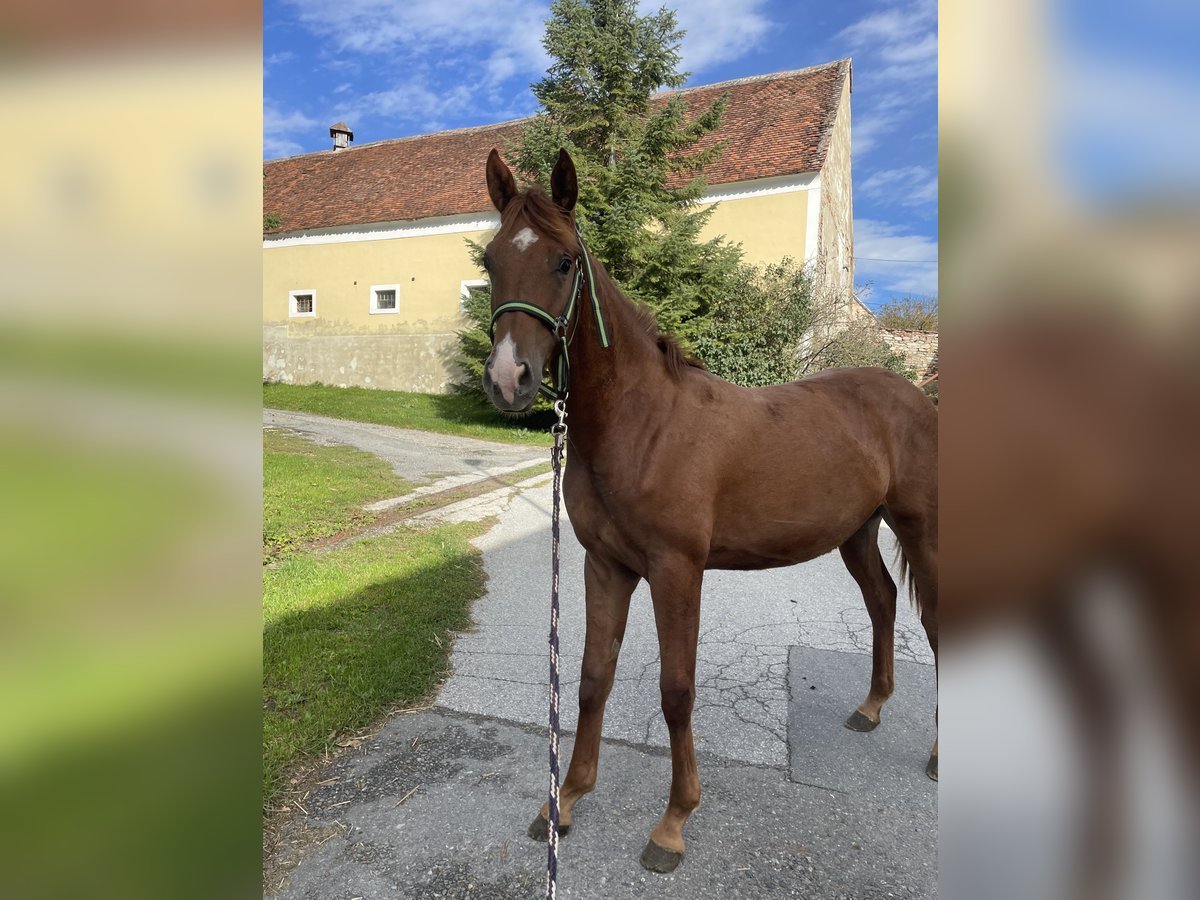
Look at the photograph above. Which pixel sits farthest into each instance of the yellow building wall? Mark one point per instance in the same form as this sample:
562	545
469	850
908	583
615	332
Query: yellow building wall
413	349
428	269
768	227
344	343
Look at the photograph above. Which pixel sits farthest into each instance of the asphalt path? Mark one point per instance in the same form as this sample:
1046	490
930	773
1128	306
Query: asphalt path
417	456
794	805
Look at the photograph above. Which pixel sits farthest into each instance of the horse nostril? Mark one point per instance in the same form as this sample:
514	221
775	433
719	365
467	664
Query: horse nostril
524	375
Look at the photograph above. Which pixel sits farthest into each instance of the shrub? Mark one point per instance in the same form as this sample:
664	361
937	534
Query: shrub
752	335
860	344
910	314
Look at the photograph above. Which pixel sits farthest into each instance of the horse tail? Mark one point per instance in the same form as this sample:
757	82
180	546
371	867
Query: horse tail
900	564
906	580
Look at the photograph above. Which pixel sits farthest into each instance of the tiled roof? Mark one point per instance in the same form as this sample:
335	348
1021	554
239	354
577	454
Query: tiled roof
775	124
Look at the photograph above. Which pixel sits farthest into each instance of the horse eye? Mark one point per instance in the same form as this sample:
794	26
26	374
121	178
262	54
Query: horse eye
487	263
565	266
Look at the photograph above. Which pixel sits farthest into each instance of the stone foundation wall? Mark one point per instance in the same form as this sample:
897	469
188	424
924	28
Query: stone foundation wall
397	362
919	348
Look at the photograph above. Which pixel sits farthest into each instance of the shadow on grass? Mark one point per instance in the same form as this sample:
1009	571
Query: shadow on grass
469	410
333	663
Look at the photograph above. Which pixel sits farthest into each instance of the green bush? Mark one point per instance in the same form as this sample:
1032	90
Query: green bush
753	334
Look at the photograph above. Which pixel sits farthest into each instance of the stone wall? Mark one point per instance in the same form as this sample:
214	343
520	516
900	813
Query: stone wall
397	362
919	348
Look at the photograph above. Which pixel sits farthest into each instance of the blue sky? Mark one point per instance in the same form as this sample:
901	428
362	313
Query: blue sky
391	68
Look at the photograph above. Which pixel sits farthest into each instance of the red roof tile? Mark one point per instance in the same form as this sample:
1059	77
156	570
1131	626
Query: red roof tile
775	124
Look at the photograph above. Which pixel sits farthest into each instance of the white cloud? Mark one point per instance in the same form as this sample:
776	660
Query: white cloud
430	28
902	37
868	128
717	30
276	59
895	67
279	127
905	186
415	101
895	262
489	43
484	44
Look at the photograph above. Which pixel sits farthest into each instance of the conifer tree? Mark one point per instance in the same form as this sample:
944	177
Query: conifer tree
639	162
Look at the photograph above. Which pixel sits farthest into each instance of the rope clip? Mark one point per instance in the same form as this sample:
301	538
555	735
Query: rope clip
559	428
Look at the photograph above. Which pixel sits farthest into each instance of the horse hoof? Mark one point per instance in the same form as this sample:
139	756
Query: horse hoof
660	859
931	769
539	829
859	722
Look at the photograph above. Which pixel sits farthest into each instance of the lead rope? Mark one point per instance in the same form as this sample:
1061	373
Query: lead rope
559	430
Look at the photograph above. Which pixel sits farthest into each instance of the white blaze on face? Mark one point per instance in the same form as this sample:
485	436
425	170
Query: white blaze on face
524	238
505	371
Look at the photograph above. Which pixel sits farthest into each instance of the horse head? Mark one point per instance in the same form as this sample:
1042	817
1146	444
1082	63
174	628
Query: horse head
533	263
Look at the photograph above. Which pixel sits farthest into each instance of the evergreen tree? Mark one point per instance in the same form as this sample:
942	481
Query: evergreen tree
640	167
638	162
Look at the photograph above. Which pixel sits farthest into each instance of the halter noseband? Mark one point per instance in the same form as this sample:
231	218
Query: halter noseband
560	326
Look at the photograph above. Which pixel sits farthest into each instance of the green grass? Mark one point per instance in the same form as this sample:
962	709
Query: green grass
355	632
311	492
445	413
192	369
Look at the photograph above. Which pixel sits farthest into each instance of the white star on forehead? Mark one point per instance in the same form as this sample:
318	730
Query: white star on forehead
524	238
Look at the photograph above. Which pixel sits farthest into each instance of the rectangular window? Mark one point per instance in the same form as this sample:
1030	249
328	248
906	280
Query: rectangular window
467	289
302	304
385	298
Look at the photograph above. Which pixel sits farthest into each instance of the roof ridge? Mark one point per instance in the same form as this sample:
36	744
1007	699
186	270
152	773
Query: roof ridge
770	76
748	79
399	140
847	75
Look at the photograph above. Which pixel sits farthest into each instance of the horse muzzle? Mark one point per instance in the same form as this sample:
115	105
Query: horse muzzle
511	383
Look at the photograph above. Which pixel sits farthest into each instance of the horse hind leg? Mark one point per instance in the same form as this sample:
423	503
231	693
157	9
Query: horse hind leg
675	592
917	536
865	564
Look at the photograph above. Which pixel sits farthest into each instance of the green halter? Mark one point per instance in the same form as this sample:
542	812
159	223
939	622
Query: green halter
557	388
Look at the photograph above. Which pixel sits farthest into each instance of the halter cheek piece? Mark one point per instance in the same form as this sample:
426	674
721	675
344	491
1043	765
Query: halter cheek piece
559	326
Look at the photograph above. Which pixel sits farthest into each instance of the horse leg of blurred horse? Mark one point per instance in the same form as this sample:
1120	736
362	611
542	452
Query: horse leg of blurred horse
608	587
675	590
865	563
1092	708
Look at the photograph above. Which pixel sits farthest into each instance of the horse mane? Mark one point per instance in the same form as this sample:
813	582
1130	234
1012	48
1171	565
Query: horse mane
676	357
552	220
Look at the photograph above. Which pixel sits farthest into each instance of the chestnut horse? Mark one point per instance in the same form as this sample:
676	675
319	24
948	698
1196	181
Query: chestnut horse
672	471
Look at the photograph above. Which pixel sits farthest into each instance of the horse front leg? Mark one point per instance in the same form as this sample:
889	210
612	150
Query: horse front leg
608	587
675	590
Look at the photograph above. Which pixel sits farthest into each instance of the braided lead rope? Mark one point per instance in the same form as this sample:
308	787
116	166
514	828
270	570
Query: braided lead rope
556	458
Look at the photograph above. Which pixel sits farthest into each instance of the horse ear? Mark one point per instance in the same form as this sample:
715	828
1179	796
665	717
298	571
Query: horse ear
564	188
502	187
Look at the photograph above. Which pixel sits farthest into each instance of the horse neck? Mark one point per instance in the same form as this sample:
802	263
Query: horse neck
613	386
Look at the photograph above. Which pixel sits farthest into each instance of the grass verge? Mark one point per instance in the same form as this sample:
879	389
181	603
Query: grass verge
444	413
311	492
350	634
